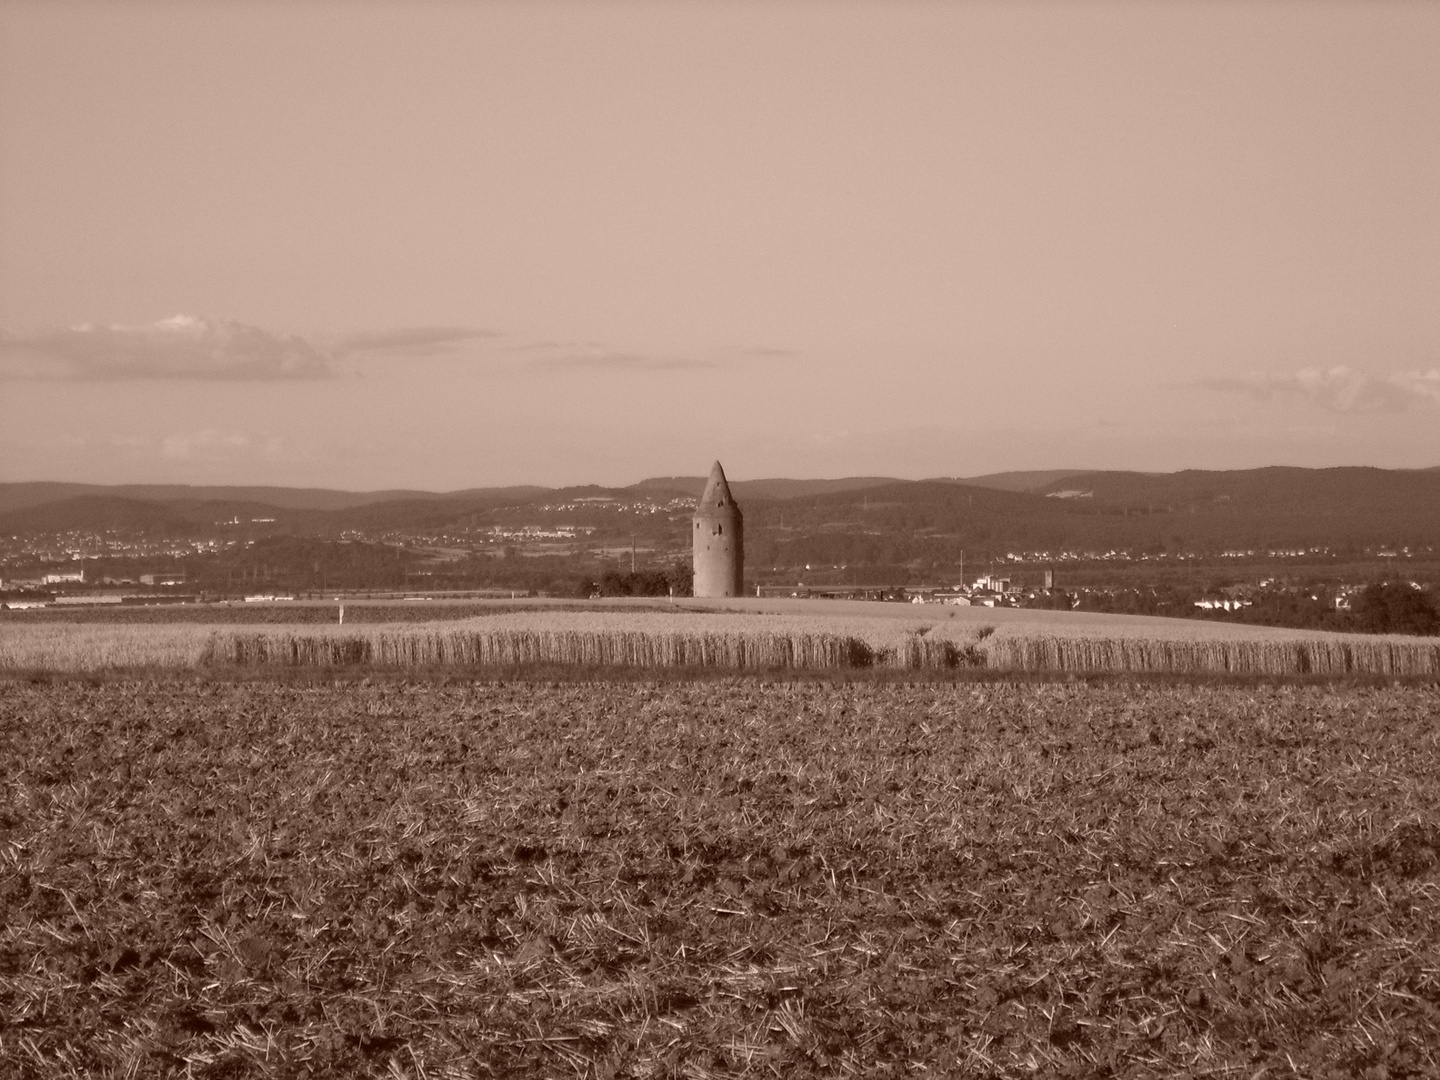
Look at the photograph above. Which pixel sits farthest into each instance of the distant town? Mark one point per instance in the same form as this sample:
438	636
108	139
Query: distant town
1246	554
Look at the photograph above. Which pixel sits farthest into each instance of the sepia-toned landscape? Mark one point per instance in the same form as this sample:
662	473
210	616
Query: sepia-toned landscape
749	539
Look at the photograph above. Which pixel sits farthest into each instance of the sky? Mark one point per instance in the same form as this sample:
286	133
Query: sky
443	245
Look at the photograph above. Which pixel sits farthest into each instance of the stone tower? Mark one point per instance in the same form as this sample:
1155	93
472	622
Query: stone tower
718	536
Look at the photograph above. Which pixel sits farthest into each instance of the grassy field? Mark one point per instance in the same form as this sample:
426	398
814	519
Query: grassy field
380	877
731	635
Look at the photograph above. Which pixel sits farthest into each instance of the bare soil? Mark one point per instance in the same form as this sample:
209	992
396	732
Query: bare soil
722	878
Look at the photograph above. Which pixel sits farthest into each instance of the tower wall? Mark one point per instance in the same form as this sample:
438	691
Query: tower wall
719	553
717	535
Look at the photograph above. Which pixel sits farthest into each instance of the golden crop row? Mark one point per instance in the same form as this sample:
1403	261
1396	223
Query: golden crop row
742	642
519	648
1338	656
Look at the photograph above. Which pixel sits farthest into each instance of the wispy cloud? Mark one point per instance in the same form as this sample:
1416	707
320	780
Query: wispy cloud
413	341
598	358
188	348
551	346
1339	389
1425	384
618	362
182	347
185	347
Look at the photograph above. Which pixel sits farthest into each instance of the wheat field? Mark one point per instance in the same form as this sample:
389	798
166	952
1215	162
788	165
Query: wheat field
812	636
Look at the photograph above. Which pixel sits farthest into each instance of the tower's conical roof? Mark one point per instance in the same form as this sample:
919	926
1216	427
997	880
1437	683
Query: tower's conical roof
717	492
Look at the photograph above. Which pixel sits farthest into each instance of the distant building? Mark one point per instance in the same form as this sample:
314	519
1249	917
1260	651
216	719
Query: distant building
1222	605
64	577
718	539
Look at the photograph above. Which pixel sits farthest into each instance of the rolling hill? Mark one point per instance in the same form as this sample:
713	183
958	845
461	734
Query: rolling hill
827	519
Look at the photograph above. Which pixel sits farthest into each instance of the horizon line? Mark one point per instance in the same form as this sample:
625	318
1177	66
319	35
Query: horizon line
700	478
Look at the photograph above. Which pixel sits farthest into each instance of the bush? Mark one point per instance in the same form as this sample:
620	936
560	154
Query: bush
1396	607
676	580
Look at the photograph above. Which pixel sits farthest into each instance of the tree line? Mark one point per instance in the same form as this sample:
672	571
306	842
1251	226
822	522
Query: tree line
1385	607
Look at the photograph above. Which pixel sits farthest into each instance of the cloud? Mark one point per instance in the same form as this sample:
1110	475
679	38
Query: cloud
1339	389
1425	384
549	346
182	347
409	341
598	358
617	362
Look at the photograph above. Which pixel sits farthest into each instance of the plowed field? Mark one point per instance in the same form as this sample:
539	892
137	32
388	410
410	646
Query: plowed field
229	879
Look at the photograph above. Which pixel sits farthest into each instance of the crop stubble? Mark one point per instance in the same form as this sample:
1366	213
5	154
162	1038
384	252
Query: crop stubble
729	878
